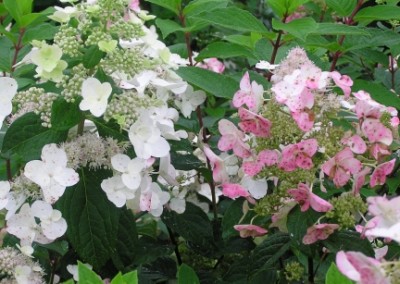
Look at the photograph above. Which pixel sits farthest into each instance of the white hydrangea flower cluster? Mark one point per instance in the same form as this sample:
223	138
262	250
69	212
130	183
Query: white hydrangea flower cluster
16	267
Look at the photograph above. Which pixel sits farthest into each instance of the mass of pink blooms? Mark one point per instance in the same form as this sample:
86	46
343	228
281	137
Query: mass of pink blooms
297	87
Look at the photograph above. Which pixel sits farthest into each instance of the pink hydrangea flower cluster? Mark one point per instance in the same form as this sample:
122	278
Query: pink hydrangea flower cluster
306	98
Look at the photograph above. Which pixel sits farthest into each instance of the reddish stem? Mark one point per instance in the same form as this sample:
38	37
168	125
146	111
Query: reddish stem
349	21
18	46
276	46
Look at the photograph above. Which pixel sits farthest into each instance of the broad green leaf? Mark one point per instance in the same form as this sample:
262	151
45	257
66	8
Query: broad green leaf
110	129
59	246
87	276
128	278
235	19
240	40
182	157
224	50
92	56
342	7
377	37
285	7
393	184
168	27
297	223
339	29
127	241
378	13
172	5
299	28
348	240
14	8
216	84
186	275
199	6
267	254
26	137
7	54
193	225
70	281
92	219
28	19
378	92
232	217
334	276
65	115
40	32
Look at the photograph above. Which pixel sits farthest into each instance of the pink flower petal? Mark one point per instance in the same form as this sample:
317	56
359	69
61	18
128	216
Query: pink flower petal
234	191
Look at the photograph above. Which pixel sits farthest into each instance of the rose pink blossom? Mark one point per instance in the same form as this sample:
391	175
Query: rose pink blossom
134	5
360	268
303	195
219	171
341	166
234	191
356	144
264	158
250	94
319	232
394	121
342	81
298	155
213	64
359	180
249	230
232	138
254	123
376	132
304	119
378	177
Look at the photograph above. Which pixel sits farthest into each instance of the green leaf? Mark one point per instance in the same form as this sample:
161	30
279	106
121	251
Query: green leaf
342	7
378	92
378	13
61	247
127	241
40	32
267	254
285	7
15	8
87	276
199	6
299	28
92	219
28	19
224	50
240	40
128	278
393	184
333	276
7	53
216	84
70	281
235	19
172	5
339	29
26	137
110	129
348	240
168	27
232	217
186	275
65	115
193	225
92	56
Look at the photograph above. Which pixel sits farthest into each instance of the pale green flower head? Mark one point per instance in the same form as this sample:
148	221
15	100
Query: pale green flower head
55	75
47	57
107	46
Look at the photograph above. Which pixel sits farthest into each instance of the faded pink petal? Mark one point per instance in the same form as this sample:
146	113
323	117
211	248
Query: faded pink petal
377	150
395	121
378	177
268	157
232	138
356	144
249	94
358	267
252	168
298	155
250	230
304	120
214	65
342	81
359	180
234	191
319	232
217	164
306	198
253	123
377	132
